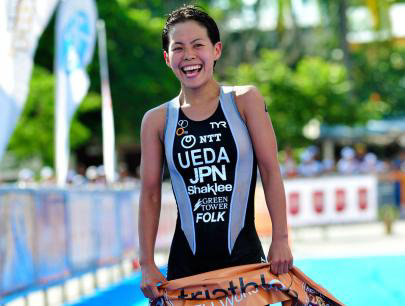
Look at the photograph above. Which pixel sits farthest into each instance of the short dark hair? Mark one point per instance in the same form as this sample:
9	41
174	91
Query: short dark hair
186	13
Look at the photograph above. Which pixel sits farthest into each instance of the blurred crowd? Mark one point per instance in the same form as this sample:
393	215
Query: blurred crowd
304	163
350	162
90	176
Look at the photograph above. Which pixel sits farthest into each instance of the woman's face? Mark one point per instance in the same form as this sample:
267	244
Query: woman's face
191	54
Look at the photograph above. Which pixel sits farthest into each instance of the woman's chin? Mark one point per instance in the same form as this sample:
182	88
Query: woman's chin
193	84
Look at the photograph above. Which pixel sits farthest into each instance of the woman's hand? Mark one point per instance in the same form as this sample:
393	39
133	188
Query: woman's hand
280	257
151	278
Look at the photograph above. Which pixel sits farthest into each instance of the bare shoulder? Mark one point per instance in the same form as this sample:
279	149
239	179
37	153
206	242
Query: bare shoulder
154	120
247	93
248	98
155	114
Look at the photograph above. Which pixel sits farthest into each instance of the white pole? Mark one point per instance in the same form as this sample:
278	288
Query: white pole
62	94
107	112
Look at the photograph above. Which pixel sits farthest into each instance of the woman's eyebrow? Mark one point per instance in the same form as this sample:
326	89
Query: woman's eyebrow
181	43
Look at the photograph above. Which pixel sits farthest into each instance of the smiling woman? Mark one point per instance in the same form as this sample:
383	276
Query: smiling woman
212	138
190	53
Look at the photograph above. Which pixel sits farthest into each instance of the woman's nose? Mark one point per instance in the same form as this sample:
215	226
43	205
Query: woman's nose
189	54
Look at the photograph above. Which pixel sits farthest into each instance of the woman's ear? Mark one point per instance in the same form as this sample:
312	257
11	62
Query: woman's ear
217	50
166	57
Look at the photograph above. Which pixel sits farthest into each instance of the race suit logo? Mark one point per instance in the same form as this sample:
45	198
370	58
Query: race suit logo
209	209
209	188
182	124
217	125
205	159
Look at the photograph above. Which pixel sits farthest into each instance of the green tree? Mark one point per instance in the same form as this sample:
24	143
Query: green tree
316	89
34	134
139	77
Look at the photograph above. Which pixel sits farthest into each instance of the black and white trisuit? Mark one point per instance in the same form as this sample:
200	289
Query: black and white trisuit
213	171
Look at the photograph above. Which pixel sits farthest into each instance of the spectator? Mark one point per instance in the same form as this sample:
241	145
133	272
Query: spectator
309	166
70	176
25	177
399	162
369	163
47	176
348	163
124	176
360	152
314	152
328	166
91	174
101	175
289	166
78	180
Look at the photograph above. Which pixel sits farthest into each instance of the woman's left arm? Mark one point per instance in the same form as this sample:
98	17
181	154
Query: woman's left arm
252	107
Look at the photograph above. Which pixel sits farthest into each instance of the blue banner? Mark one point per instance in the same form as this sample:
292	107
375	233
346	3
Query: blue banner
81	230
75	36
51	236
16	240
128	226
108	250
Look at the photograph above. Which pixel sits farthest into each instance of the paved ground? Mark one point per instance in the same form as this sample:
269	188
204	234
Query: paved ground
367	239
346	240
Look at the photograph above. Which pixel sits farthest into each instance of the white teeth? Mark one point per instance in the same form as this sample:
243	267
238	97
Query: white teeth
188	68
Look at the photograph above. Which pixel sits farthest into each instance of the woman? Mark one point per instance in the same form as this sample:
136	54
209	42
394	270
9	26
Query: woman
212	138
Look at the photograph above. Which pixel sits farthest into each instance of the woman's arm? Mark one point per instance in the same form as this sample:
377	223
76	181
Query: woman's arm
150	198
252	107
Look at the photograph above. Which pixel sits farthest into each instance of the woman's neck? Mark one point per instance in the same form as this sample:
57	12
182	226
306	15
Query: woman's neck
199	96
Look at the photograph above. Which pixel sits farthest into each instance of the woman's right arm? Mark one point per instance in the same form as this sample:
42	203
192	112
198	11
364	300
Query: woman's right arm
150	199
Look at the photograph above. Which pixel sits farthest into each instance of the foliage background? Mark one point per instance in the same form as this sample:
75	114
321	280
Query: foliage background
304	73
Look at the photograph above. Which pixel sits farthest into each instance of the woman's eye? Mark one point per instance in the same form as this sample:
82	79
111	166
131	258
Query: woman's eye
176	49
198	45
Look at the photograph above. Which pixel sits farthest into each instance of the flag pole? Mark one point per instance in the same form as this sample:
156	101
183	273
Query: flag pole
107	112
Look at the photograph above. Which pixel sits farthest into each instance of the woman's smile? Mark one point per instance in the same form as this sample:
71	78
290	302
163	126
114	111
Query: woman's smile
191	71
